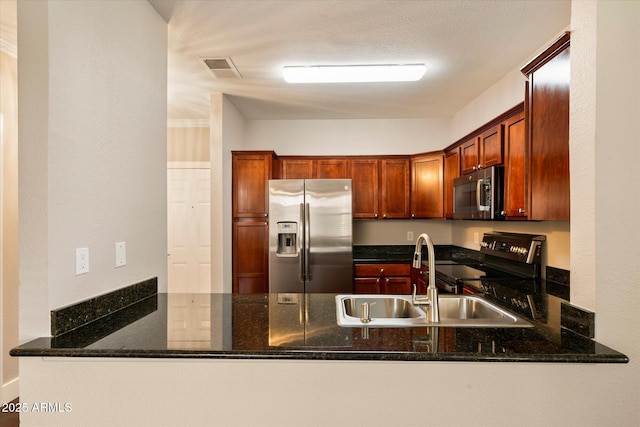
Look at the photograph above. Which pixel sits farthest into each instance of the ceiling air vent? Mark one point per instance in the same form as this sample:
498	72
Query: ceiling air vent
222	68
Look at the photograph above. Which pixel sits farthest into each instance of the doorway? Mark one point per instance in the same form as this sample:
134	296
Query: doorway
188	227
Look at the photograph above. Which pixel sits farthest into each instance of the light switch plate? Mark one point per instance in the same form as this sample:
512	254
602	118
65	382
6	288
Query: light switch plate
121	254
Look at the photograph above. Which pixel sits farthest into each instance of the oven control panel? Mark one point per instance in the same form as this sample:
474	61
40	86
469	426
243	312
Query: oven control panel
514	246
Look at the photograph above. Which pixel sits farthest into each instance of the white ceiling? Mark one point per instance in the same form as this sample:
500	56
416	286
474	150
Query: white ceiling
467	46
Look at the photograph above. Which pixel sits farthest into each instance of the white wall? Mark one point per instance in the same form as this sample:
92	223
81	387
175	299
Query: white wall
320	393
92	85
347	137
503	95
227	134
617	204
9	288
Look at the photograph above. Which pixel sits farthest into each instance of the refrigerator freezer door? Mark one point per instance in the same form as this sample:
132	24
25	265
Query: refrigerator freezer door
328	240
286	197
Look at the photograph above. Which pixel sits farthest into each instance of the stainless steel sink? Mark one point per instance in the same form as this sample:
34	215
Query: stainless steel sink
382	307
398	311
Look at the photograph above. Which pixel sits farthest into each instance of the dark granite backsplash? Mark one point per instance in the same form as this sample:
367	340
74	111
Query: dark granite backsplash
404	253
71	317
557	275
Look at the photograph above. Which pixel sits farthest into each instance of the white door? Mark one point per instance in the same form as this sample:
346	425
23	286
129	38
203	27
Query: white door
189	237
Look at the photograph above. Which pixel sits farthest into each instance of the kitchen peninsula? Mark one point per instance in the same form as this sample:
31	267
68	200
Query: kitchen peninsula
215	353
267	326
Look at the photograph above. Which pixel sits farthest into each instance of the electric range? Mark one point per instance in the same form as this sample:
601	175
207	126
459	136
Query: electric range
508	274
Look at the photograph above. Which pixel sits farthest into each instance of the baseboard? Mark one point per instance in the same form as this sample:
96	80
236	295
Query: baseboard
10	390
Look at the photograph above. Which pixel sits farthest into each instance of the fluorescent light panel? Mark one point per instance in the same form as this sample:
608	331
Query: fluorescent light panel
353	73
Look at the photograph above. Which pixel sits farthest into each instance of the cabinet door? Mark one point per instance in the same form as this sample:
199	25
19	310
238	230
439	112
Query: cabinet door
548	108
394	179
516	168
366	285
297	169
364	176
491	147
427	187
250	257
396	285
250	182
469	155
331	169
451	172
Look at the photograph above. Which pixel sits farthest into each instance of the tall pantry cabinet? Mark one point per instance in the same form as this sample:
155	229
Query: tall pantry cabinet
252	171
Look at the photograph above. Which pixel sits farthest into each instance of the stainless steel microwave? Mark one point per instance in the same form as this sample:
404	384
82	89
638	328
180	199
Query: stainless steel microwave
478	195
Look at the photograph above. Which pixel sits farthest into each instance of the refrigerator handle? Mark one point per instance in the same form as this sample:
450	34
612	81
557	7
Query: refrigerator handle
307	243
301	245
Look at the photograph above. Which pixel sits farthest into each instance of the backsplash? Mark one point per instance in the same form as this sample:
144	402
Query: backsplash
71	317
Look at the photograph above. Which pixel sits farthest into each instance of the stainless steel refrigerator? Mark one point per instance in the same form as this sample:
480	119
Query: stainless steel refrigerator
310	236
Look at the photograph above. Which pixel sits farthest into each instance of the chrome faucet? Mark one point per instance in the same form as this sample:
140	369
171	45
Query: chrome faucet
432	292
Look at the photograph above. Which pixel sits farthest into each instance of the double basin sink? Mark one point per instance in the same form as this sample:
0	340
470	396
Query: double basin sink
399	311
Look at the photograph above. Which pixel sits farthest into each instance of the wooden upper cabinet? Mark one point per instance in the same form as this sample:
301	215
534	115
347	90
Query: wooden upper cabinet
395	186
548	132
516	168
250	184
427	186
297	169
364	174
331	169
451	172
315	168
469	155
482	151
491	147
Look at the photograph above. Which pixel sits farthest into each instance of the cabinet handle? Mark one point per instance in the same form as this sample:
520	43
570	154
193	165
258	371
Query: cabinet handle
384	215
382	271
475	168
480	166
521	210
413	215
375	215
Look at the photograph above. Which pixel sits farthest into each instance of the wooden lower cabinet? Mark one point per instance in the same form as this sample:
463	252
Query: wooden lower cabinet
250	257
382	278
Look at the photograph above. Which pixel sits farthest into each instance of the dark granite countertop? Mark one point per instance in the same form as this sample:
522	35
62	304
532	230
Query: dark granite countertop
266	326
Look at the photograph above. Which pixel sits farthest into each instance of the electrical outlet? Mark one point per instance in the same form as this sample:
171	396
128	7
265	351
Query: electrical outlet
82	261
121	254
410	236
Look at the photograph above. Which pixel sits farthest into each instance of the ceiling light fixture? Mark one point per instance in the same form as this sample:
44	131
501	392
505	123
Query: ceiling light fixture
353	73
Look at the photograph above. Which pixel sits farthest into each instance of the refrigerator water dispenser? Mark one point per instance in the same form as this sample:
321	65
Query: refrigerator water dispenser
287	239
